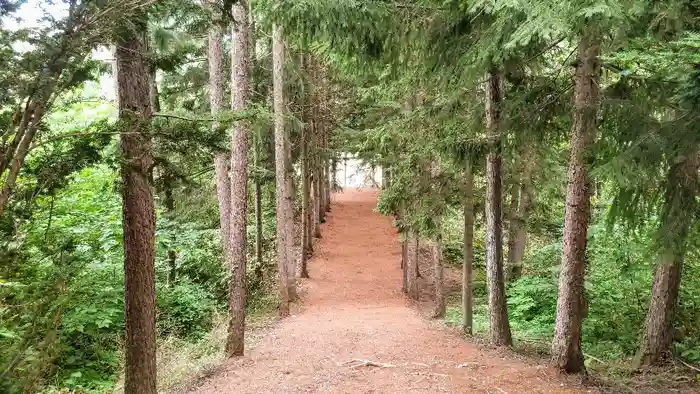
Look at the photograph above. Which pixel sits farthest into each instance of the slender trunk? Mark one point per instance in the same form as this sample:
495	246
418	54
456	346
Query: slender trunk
498	308
566	345
216	99
170	208
289	221
412	268
258	221
240	93
681	191
439	310
280	166
515	262
139	221
302	269
404	249
513	225
467	281
317	176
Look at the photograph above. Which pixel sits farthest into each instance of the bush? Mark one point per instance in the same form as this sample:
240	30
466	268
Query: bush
184	310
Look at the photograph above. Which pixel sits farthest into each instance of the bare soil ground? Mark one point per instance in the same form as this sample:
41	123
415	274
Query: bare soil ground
355	332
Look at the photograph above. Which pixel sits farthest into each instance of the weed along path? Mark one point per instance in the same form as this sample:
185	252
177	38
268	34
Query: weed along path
354	332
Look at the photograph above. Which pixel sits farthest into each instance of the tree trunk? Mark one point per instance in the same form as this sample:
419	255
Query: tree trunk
240	92
258	221
280	166
498	308
412	268
467	281
512	215
302	268
566	345
316	172
520	235
681	190
139	220
216	99
404	249
439	310
169	203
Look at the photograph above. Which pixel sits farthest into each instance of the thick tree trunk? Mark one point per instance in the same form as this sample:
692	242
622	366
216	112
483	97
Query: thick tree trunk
139	220
467	281
681	191
498	308
412	268
566	345
240	92
280	166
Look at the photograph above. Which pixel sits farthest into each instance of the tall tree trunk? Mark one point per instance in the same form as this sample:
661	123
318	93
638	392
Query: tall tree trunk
216	100
498	308
467	281
280	166
139	219
317	195
413	245
305	189
516	252
681	193
566	345
240	92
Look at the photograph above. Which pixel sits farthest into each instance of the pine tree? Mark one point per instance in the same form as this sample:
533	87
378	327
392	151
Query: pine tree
139	220
566	345
239	181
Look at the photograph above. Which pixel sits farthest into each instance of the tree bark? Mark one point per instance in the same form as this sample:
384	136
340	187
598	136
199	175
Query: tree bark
258	221
305	189
498	308
512	215
216	99
566	345
139	220
467	280
681	192
280	166
240	95
412	268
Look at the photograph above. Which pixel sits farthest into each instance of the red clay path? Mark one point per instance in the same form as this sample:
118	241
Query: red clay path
352	309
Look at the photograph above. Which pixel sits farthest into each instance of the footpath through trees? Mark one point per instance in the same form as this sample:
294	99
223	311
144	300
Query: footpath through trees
355	332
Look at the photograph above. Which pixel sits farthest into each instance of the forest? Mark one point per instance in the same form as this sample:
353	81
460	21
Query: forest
168	171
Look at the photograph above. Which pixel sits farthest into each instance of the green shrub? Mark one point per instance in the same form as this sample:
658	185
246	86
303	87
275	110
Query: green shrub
184	309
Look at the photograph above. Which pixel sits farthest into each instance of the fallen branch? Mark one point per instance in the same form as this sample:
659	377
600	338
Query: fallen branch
367	363
688	365
593	358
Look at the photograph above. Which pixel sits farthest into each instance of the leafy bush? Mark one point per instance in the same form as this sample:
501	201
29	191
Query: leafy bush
184	309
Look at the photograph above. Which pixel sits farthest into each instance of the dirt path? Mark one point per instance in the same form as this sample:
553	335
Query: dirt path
353	309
